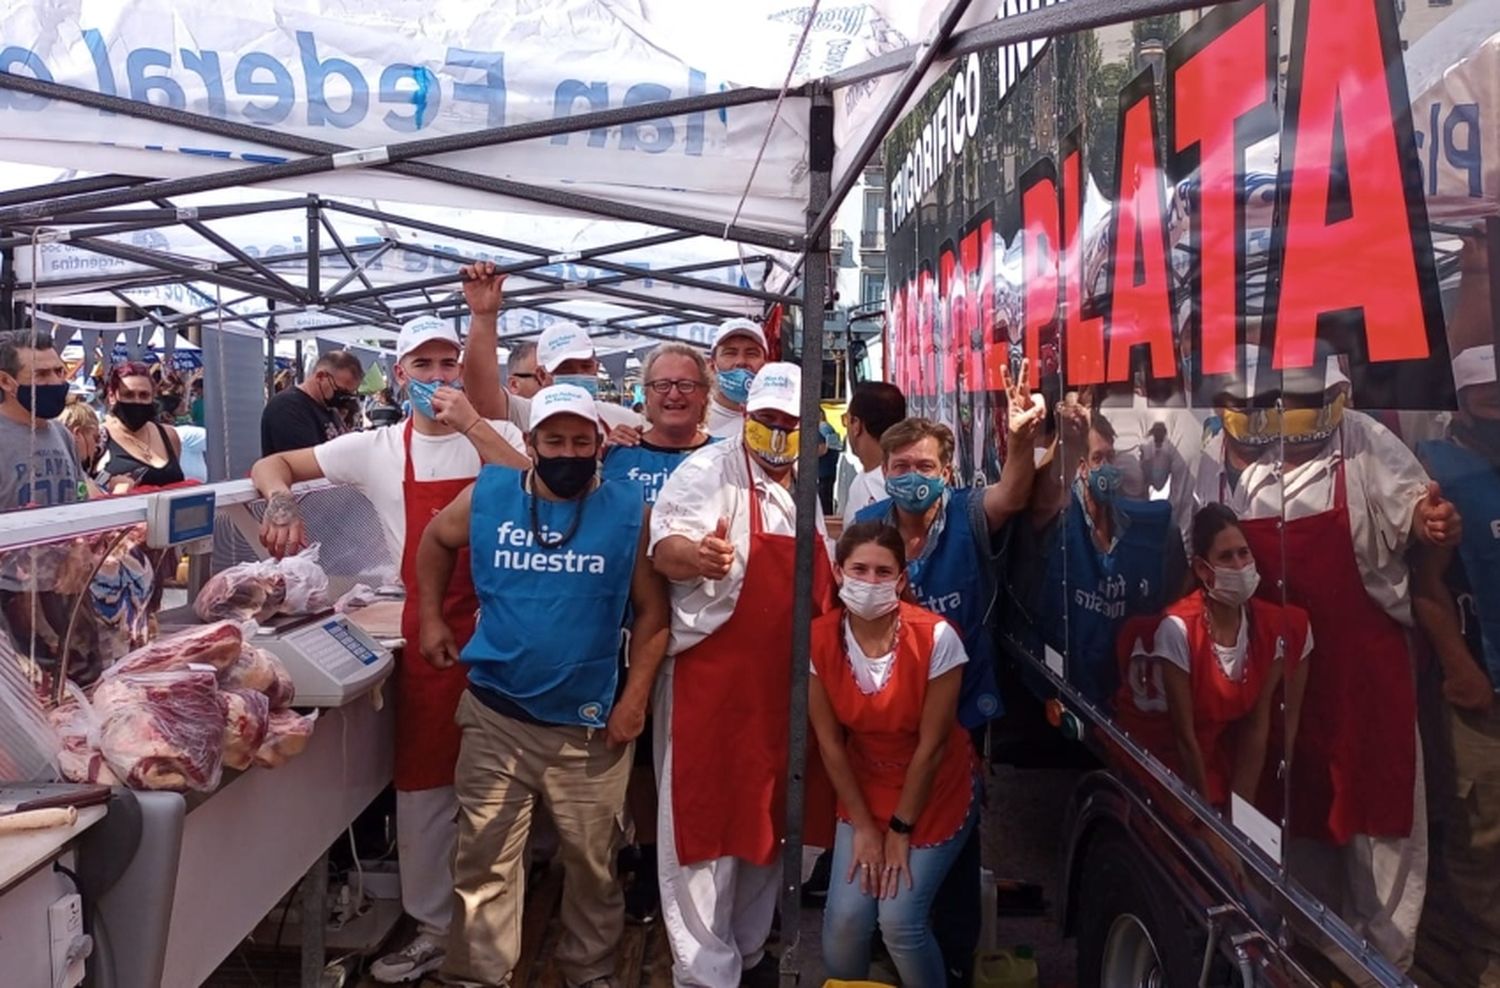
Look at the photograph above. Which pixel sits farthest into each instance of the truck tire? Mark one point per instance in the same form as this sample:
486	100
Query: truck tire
1130	932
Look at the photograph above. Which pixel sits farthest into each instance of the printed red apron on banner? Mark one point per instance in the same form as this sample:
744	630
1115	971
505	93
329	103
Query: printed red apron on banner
1354	766
427	697
730	717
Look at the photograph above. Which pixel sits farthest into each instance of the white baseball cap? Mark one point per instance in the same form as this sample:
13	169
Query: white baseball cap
425	329
778	387
561	342
563	399
740	327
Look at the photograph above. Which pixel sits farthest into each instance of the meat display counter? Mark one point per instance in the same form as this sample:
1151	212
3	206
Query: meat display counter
179	880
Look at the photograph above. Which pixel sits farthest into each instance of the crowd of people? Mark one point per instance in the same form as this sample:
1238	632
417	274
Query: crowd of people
598	615
140	426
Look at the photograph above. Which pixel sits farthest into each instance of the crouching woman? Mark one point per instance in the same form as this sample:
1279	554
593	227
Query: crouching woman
884	702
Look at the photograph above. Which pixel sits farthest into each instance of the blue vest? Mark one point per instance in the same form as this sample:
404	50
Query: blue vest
952	577
646	465
548	638
1102	589
1472	483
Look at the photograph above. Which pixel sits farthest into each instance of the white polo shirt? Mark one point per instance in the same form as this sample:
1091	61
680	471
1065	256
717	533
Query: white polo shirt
711	484
1383	479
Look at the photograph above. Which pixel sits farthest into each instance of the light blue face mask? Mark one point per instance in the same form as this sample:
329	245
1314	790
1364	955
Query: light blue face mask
1104	482
915	492
735	384
420	393
588	382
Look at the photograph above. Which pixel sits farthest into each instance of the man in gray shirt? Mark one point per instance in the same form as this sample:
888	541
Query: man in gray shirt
38	463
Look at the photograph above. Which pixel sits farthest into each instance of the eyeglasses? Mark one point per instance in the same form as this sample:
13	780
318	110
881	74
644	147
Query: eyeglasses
683	387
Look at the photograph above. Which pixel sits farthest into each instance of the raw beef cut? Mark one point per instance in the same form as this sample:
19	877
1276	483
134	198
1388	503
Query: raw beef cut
162	730
287	736
79	758
260	591
257	669
216	645
250	591
247	716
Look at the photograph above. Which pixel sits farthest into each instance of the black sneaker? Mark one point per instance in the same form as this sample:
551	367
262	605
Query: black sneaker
815	889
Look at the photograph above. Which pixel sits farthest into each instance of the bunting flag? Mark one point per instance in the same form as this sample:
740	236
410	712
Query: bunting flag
614	365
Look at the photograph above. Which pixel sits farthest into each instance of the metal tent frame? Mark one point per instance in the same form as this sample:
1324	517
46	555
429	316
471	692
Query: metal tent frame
81	212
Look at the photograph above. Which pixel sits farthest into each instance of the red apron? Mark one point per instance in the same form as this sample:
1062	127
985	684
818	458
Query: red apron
885	727
426	697
1354	767
730	717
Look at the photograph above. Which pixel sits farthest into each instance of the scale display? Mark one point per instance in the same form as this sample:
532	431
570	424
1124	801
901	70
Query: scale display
331	660
179	517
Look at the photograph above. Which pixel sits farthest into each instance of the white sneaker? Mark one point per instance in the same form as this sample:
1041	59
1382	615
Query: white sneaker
424	954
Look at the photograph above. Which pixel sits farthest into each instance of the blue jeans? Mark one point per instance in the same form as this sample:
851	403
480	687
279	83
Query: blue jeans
850	916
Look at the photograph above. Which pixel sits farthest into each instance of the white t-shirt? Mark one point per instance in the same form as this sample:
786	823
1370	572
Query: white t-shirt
710	484
1383	482
867	487
724	423
1172	645
872	673
374	461
518	410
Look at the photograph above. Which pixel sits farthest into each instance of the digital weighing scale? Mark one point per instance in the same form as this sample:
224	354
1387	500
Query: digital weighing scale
331	659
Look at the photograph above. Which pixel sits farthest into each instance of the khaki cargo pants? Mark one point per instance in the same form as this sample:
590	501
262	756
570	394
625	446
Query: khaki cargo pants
505	766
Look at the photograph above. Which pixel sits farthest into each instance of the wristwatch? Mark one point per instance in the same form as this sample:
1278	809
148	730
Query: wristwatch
900	826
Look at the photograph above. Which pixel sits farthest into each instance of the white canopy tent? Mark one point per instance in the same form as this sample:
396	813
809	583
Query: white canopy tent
712	142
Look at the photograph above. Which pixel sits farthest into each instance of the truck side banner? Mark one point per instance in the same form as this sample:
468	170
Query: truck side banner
368	74
1141	206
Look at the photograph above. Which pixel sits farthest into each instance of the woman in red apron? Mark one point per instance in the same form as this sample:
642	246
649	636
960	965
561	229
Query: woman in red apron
1220	655
884	704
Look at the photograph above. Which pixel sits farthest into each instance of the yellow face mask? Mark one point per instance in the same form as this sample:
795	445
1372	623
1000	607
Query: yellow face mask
777	447
1295	426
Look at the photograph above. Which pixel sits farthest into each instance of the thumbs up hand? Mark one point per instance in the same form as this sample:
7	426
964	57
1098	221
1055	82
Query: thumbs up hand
1437	521
716	553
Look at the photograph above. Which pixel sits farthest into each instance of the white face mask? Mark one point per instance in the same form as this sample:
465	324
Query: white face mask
869	600
1234	586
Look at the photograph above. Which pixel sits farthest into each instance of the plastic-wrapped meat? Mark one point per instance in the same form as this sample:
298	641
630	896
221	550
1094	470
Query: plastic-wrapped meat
216	645
257	669
294	585
162	730
79	757
247	718
287	736
241	593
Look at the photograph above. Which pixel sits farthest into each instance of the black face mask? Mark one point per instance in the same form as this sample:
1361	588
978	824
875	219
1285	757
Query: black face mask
567	476
169	404
45	401
134	414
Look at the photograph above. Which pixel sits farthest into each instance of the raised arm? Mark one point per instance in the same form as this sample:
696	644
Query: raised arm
1024	412
649	628
454	410
281	527
483	294
437	554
